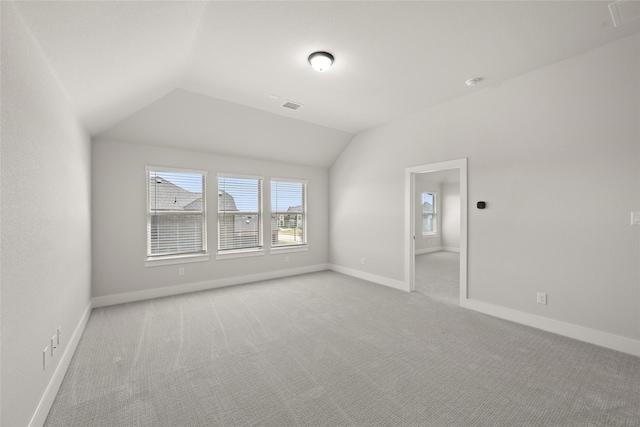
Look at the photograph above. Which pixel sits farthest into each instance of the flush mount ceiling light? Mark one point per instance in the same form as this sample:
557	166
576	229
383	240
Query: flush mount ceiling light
473	82
320	61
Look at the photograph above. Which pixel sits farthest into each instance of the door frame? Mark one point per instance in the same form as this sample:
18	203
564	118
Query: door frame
410	225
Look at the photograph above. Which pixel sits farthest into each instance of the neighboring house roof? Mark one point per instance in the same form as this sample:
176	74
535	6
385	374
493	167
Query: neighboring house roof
166	196
295	209
196	205
226	202
427	207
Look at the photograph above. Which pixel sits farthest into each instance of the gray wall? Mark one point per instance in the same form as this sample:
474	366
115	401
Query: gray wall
450	202
119	218
555	154
45	180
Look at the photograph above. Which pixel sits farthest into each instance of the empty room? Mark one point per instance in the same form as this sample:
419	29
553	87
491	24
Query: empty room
320	213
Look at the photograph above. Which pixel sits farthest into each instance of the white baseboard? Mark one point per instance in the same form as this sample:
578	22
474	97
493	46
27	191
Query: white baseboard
201	286
436	249
381	280
40	416
428	250
581	333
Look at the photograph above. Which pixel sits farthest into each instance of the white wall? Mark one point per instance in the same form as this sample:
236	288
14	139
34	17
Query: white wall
450	217
119	221
555	153
425	244
46	265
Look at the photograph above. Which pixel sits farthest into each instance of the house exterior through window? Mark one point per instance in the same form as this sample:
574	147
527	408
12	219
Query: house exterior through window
429	212
176	217
288	213
239	213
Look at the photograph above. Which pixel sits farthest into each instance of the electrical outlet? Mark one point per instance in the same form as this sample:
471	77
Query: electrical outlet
364	261
286	258
541	298
181	271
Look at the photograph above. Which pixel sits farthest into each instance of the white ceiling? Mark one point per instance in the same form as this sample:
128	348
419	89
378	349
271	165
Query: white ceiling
114	58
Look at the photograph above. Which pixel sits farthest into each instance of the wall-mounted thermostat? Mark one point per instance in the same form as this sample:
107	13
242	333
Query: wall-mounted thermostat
482	205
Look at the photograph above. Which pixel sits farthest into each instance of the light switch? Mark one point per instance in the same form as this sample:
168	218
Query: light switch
635	218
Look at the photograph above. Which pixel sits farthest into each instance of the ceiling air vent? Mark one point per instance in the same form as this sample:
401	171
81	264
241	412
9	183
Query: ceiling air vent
291	105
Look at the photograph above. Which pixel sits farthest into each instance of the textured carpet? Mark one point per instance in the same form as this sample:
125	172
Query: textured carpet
438	276
325	349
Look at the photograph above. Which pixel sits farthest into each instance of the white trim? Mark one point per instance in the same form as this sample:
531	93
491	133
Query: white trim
381	280
239	253
449	249
149	168
303	181
436	249
581	333
238	175
40	415
177	259
286	249
428	250
201	286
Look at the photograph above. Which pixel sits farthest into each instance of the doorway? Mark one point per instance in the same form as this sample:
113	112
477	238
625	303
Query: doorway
413	177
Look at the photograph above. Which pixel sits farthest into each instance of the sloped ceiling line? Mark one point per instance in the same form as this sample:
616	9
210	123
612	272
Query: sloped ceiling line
122	62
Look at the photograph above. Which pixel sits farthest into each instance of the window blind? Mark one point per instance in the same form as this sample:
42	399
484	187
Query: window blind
288	213
428	213
176	215
239	212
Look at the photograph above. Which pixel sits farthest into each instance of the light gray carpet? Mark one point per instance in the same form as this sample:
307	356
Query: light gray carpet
438	276
325	349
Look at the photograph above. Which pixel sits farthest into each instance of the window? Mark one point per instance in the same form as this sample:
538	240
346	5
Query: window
288	213
429	212
239	213
176	218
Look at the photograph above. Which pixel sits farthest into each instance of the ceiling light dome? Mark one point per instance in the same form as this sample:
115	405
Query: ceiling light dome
320	61
473	82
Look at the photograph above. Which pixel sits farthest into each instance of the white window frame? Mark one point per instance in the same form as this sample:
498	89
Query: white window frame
159	260
435	214
244	252
296	247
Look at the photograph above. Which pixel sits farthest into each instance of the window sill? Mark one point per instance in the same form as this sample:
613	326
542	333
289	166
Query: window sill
287	249
239	253
178	259
429	235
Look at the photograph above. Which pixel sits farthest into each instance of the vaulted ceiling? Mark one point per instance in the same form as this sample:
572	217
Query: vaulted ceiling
144	71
